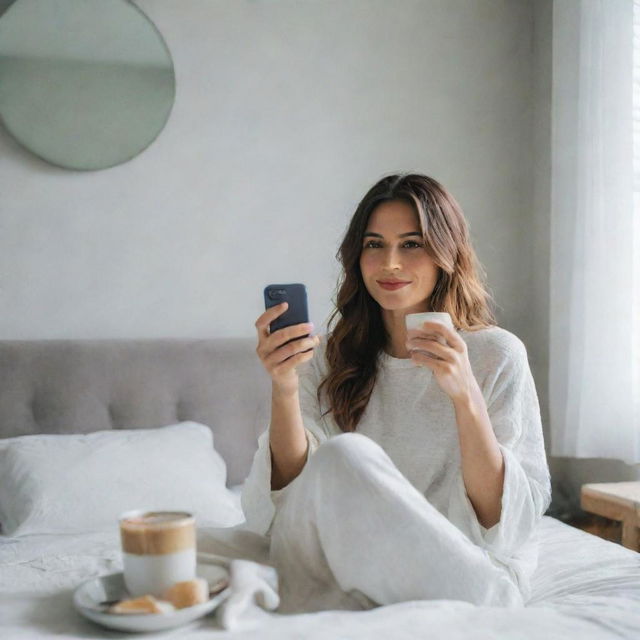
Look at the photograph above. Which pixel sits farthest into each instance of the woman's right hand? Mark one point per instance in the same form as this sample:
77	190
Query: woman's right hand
280	359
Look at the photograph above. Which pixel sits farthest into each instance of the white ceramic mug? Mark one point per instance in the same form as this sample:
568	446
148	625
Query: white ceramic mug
158	550
415	320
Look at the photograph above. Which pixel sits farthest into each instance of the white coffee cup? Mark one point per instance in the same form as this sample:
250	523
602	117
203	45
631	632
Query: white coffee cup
158	550
415	321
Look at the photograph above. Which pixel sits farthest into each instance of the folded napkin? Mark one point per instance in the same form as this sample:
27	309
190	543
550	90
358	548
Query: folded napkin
254	588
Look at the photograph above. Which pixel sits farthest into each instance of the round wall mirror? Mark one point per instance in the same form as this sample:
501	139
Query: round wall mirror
84	84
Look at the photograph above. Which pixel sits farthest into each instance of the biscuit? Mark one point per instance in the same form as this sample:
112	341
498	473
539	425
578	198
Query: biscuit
187	593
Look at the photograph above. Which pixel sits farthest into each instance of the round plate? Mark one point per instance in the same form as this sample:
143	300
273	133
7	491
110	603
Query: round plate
90	597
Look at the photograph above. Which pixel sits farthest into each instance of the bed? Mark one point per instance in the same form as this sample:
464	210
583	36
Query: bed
81	390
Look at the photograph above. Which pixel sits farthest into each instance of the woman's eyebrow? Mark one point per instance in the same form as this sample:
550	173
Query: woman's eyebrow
400	235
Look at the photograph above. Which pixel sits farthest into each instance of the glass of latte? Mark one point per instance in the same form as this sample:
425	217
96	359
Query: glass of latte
158	550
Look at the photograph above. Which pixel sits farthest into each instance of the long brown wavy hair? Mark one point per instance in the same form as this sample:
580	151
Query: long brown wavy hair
359	335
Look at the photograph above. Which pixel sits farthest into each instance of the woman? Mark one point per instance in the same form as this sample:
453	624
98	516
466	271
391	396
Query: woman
395	467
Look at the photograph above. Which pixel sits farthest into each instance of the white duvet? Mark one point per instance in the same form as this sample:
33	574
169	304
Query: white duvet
584	588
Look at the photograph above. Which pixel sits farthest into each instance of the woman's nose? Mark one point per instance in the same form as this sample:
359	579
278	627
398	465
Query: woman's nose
391	258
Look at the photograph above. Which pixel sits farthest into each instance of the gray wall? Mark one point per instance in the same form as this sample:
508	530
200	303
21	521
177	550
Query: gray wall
286	113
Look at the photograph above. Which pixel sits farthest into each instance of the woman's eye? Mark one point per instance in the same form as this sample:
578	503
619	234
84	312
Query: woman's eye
408	242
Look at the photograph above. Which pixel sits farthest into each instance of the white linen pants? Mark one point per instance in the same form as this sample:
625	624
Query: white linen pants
352	532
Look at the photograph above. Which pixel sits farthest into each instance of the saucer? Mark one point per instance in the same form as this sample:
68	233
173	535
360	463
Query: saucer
90	600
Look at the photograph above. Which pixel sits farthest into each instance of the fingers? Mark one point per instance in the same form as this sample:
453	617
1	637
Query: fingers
282	336
272	341
439	332
290	363
432	352
447	336
285	348
432	330
282	353
263	322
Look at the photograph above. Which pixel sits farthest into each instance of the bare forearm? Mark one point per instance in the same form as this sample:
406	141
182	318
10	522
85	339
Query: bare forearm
482	461
287	438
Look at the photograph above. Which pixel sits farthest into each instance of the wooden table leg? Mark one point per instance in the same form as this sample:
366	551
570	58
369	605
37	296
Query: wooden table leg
630	534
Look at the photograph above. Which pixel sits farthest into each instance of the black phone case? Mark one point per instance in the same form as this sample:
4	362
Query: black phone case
297	312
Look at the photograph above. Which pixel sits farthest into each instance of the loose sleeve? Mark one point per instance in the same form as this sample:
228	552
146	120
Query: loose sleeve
258	500
513	408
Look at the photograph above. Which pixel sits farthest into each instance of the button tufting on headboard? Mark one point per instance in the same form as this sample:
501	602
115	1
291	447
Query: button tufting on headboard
80	386
112	419
38	411
182	412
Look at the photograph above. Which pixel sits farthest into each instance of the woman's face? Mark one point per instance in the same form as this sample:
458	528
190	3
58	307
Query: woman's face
393	249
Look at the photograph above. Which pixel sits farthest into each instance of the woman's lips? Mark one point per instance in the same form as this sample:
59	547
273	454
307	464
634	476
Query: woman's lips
393	287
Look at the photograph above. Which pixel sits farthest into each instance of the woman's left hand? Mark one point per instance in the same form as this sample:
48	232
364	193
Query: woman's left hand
449	363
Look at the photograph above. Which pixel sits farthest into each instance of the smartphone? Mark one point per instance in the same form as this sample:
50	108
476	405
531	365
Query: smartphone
297	312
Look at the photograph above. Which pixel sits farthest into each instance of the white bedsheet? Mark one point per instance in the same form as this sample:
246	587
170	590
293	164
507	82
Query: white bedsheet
584	588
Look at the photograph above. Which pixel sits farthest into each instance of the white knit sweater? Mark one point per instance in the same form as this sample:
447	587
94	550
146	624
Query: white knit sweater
413	420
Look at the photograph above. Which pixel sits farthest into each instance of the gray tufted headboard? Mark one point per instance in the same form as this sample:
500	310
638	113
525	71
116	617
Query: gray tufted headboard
79	386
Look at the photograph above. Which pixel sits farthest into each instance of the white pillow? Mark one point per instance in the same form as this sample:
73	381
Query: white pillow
83	482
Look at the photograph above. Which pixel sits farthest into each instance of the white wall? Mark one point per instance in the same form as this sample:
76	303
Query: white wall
286	112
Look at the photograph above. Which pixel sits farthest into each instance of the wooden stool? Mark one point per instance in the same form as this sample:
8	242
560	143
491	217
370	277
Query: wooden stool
617	501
